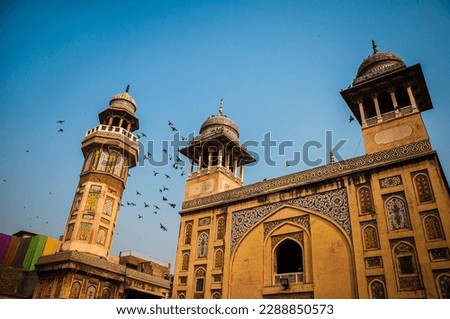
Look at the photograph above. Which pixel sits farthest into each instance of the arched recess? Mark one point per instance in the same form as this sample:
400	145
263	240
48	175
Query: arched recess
330	237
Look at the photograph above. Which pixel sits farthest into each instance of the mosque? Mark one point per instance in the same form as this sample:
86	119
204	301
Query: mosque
373	226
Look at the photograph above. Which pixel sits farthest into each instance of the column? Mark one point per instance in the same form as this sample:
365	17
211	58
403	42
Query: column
235	166
199	163
110	121
121	122
129	126
209	160
219	160
412	99
361	112
242	172
227	160
191	167
377	109
394	102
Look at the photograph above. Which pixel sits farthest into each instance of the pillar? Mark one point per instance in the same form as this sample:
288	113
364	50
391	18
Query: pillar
361	112
199	163
242	172
412	99
377	109
219	160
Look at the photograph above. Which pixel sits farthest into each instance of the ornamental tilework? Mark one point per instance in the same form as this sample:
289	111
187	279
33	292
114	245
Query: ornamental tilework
315	174
333	204
391	181
299	220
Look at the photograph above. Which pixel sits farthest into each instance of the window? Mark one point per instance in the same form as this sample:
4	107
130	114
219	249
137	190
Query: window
407	268
200	280
423	187
185	264
433	230
75	291
365	200
220	228
370	237
106	294
218	258
91	292
188	234
377	290
444	286
289	257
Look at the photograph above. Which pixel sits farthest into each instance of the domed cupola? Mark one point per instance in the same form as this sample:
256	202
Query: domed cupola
377	64
219	123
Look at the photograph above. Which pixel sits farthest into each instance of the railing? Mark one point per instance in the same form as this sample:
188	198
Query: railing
388	116
406	110
293	277
371	121
113	129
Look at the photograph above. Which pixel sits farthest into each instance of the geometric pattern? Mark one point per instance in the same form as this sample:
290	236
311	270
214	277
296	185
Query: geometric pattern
333	204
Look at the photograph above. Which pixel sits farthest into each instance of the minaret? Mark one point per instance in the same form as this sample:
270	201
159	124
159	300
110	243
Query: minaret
387	98
110	150
217	158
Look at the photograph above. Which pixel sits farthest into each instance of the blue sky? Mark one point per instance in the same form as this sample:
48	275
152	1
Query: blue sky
278	66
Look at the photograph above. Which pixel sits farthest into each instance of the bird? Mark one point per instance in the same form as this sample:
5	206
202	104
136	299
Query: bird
122	205
351	119
167	176
138	193
287	164
170	157
133	204
160	190
155	173
149	154
138	136
49	193
28	151
165	188
165	151
172	205
170	123
143	135
174	129
61	130
140	216
146	205
164	199
4	180
156	207
183	173
146	157
183	138
155	212
60	121
162	227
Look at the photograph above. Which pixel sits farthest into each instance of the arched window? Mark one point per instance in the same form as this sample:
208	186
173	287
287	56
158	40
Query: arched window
106	294
433	229
185	263
220	228
119	165
406	265
365	200
188	234
216	295
289	257
218	258
91	292
181	295
370	237
111	162
377	290
200	280
202	245
423	187
75	290
397	213
444	286
87	162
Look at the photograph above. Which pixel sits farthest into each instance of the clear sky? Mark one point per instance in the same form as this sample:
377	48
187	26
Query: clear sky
278	65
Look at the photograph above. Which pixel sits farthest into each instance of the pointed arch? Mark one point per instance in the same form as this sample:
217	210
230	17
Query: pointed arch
370	237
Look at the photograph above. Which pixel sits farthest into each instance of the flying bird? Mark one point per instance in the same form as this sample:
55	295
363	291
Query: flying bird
165	151
172	205
156	207
164	199
155	173
61	130
165	188
140	216
174	129
170	123
351	119
155	212
137	193
60	121
162	227
167	176
143	135
146	205
183	173
287	164
138	136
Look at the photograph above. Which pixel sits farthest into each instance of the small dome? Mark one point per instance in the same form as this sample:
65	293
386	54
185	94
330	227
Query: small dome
377	64
123	100
219	122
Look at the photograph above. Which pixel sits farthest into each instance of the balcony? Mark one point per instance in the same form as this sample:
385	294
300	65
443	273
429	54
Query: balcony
113	131
292	277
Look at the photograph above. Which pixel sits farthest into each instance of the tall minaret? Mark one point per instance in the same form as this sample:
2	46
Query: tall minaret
110	150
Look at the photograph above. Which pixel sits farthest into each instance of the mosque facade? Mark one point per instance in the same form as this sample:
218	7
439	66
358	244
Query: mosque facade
373	226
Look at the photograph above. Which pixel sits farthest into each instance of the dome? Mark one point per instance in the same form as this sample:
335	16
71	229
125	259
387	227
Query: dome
377	64
123	100
219	122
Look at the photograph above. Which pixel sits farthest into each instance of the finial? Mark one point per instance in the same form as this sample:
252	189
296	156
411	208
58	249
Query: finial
332	159
221	107
128	88
374	46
